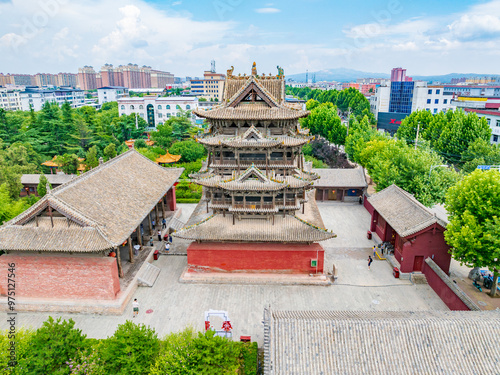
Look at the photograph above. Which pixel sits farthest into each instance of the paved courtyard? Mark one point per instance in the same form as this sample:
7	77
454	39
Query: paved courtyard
176	305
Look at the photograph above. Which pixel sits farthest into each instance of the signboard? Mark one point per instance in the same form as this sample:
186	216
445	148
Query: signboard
390	121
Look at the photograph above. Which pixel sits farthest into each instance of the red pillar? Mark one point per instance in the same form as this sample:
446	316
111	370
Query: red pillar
171	199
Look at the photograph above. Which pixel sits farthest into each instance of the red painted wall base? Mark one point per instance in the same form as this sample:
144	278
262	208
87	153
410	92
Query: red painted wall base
61	277
255	257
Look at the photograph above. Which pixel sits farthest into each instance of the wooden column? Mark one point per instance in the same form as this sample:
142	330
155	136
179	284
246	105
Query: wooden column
157	215
119	261
324	191
130	250
163	207
139	235
238	161
150	225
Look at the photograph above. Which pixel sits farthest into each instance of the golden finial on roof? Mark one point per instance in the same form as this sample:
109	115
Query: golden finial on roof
254	69
230	72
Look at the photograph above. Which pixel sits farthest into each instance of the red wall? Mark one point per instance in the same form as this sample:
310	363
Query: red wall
427	244
368	205
443	291
258	257
65	277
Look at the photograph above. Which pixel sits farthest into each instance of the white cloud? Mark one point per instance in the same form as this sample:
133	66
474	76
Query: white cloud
175	3
267	10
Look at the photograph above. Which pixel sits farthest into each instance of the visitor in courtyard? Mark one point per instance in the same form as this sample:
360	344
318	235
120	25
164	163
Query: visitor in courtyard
159	235
163	223
370	260
154	224
374	251
135	307
151	241
167	246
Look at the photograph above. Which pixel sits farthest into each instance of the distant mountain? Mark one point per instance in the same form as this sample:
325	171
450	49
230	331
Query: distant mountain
446	78
349	75
339	74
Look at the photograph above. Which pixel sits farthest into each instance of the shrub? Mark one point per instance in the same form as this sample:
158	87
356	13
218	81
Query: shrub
51	346
186	353
131	350
22	345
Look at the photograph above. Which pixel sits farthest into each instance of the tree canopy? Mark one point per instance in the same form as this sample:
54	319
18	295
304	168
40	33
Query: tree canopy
473	231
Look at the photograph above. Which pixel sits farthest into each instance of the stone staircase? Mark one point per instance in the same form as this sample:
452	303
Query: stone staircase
148	275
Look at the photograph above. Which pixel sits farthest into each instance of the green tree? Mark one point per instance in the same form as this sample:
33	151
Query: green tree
473	231
311	104
69	163
91	158
51	346
480	152
131	350
140	143
109	152
416	120
163	135
42	186
459	133
189	150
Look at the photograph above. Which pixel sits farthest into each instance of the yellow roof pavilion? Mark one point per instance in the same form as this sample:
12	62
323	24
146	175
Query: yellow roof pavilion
168	158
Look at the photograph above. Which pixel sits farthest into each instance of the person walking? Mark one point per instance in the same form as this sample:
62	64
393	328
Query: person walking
374	251
167	246
153	223
135	307
370	260
159	235
164	223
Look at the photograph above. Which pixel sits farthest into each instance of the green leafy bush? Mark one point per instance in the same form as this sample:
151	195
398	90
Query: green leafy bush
186	353
22	346
131	350
52	346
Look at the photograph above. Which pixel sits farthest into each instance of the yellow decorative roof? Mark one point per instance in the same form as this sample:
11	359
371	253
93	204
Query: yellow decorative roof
51	163
168	158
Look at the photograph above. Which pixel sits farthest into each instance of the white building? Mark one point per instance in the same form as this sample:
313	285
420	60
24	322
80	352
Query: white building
36	98
379	102
111	93
431	98
157	110
10	100
493	119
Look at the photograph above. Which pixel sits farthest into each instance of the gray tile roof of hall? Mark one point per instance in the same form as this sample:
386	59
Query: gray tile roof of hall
405	214
340	177
105	204
54	179
382	342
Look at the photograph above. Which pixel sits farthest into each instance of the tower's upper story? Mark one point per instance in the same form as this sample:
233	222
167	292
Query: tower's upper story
257	100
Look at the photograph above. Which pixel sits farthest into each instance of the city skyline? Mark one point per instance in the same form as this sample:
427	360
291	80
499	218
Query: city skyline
184	36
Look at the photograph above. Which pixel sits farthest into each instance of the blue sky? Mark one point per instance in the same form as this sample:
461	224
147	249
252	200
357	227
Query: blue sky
182	36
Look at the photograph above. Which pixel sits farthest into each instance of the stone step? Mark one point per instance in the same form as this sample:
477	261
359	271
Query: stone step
148	275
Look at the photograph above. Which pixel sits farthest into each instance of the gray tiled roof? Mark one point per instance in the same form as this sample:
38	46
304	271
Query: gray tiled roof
105	204
345	342
54	179
340	177
402	211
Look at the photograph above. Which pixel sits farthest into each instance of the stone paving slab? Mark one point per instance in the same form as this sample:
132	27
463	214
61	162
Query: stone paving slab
176	305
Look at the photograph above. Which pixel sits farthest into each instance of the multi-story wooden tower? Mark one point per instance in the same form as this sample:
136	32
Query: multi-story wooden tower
257	213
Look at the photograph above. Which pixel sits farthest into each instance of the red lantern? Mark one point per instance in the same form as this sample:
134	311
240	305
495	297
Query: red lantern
207	325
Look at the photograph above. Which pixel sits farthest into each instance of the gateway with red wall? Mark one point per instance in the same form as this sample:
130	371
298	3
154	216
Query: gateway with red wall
415	231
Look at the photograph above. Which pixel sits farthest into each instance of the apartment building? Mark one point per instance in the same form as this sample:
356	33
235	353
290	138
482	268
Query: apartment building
156	110
36	98
10	100
111	93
